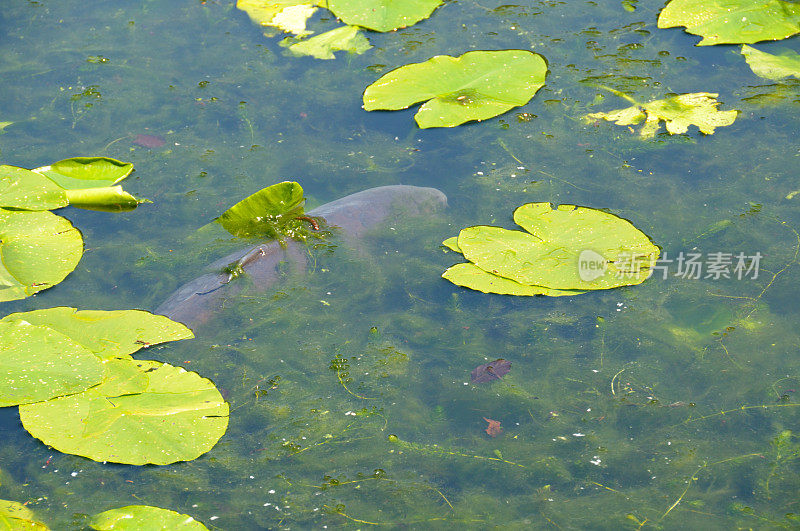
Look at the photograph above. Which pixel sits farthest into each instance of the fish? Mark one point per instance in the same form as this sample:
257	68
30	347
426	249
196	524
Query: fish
490	371
197	301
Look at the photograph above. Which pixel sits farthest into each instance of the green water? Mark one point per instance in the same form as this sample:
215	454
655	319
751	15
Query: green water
673	404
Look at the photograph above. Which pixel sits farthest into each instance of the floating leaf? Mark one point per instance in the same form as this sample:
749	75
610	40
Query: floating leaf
27	190
381	15
39	363
107	334
567	248
37	251
86	172
678	112
489	372
143	518
771	66
733	21
177	416
346	38
468	275
286	15
88	183
265	212
16	517
475	86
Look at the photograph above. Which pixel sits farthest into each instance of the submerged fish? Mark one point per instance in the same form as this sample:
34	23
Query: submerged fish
196	301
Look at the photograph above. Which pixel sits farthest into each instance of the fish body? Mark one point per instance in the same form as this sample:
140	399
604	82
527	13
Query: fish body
196	301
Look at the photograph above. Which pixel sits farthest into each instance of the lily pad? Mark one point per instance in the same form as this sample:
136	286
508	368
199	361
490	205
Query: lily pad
468	275
346	38
162	415
286	15
86	172
16	517
28	190
475	86
39	363
143	518
381	15
569	248
733	21
107	334
678	112
771	66
265	212
37	251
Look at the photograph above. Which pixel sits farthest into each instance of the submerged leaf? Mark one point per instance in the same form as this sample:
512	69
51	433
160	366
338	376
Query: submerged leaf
39	363
144	518
28	190
678	112
346	38
771	66
37	251
490	371
733	21
493	429
163	415
107	334
381	15
475	86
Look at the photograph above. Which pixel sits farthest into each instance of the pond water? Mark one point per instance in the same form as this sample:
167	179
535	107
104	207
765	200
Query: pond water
669	404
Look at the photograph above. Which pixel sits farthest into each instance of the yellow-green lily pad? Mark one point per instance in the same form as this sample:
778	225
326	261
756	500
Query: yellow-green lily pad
771	66
144	518
475	86
145	412
381	15
27	190
38	363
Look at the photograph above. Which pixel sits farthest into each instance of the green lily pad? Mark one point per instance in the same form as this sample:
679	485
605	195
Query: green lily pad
143	518
468	275
86	172
381	15
678	112
286	15
3	125
107	334
568	248
771	66
475	86
177	416
37	251
16	517
733	21
266	212
39	363
346	38
28	190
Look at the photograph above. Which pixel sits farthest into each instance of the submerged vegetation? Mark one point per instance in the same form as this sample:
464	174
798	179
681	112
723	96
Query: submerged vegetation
370	391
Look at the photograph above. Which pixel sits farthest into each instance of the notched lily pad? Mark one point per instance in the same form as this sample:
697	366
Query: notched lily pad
107	334
733	21
771	66
678	112
39	363
145	412
475	86
381	15
565	251
266	213
37	251
143	518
